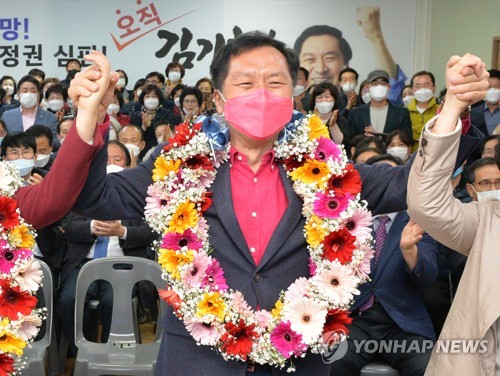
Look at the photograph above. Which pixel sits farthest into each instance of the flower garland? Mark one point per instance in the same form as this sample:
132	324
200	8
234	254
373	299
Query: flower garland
20	276
337	232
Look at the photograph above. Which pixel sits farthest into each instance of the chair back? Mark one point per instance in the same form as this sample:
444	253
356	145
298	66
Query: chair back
122	273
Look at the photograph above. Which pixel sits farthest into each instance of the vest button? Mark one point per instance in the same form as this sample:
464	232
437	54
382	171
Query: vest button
257	277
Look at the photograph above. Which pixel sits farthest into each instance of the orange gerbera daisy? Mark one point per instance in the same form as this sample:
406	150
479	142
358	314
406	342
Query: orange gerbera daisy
171	260
311	172
184	217
318	129
163	167
20	237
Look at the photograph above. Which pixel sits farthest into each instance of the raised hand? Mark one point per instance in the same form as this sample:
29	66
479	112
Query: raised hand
368	17
411	235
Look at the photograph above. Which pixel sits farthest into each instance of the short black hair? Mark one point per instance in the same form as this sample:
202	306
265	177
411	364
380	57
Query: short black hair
404	88
62	121
175	64
403	136
488	139
148	89
39	130
119	96
29	78
366	141
320	89
37	72
3	93
18	140
9	78
317	30
177	88
305	71
140	82
57	89
470	171
494	73
73	60
348	70
219	67
384	157
190	90
160	76
423	73
128	159
361	150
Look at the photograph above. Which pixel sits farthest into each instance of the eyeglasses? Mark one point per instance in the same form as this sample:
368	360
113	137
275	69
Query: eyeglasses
18	152
484	184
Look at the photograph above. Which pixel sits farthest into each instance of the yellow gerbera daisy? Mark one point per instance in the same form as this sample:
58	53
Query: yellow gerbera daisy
312	171
211	304
278	308
20	237
318	129
185	216
11	344
315	233
163	167
171	260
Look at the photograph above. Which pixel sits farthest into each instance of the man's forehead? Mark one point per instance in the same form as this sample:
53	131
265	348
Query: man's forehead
489	171
321	43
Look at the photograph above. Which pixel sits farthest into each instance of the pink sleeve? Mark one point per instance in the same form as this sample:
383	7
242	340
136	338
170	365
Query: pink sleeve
47	202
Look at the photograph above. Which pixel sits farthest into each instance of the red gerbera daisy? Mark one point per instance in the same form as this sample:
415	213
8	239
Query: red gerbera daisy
199	161
6	365
238	339
339	245
171	298
9	218
14	301
350	182
183	133
336	321
292	162
206	201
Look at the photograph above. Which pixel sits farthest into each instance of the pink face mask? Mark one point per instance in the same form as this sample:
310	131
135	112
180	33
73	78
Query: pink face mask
258	115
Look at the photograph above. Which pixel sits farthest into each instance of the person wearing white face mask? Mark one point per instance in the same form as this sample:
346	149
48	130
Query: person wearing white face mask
379	116
399	145
29	113
191	100
348	79
324	100
152	112
485	115
20	149
9	85
484	180
121	85
407	95
114	109
44	141
132	137
175	73
56	97
423	106
301	97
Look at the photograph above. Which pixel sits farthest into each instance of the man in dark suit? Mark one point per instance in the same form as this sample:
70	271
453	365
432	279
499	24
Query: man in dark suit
269	66
19	119
380	115
390	306
485	115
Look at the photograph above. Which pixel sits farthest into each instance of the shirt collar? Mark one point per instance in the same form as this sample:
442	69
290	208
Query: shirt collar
237	157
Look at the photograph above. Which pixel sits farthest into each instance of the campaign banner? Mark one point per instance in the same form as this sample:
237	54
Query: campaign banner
140	36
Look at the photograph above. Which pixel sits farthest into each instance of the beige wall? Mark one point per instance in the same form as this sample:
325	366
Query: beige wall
460	26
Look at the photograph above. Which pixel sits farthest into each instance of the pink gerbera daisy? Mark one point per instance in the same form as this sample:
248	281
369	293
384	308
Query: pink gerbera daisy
8	257
187	240
337	284
214	277
286	341
327	149
312	267
363	269
204	333
194	275
359	224
326	206
297	290
155	199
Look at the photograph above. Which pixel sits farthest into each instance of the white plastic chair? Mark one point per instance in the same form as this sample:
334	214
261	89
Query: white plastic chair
378	369
121	355
35	355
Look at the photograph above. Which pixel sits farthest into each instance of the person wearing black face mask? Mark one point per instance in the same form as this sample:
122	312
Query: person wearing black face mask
73	66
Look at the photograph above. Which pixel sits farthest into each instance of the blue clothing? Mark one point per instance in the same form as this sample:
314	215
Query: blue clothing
397	288
397	85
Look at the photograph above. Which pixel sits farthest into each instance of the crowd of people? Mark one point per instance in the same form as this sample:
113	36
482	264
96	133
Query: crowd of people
414	276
